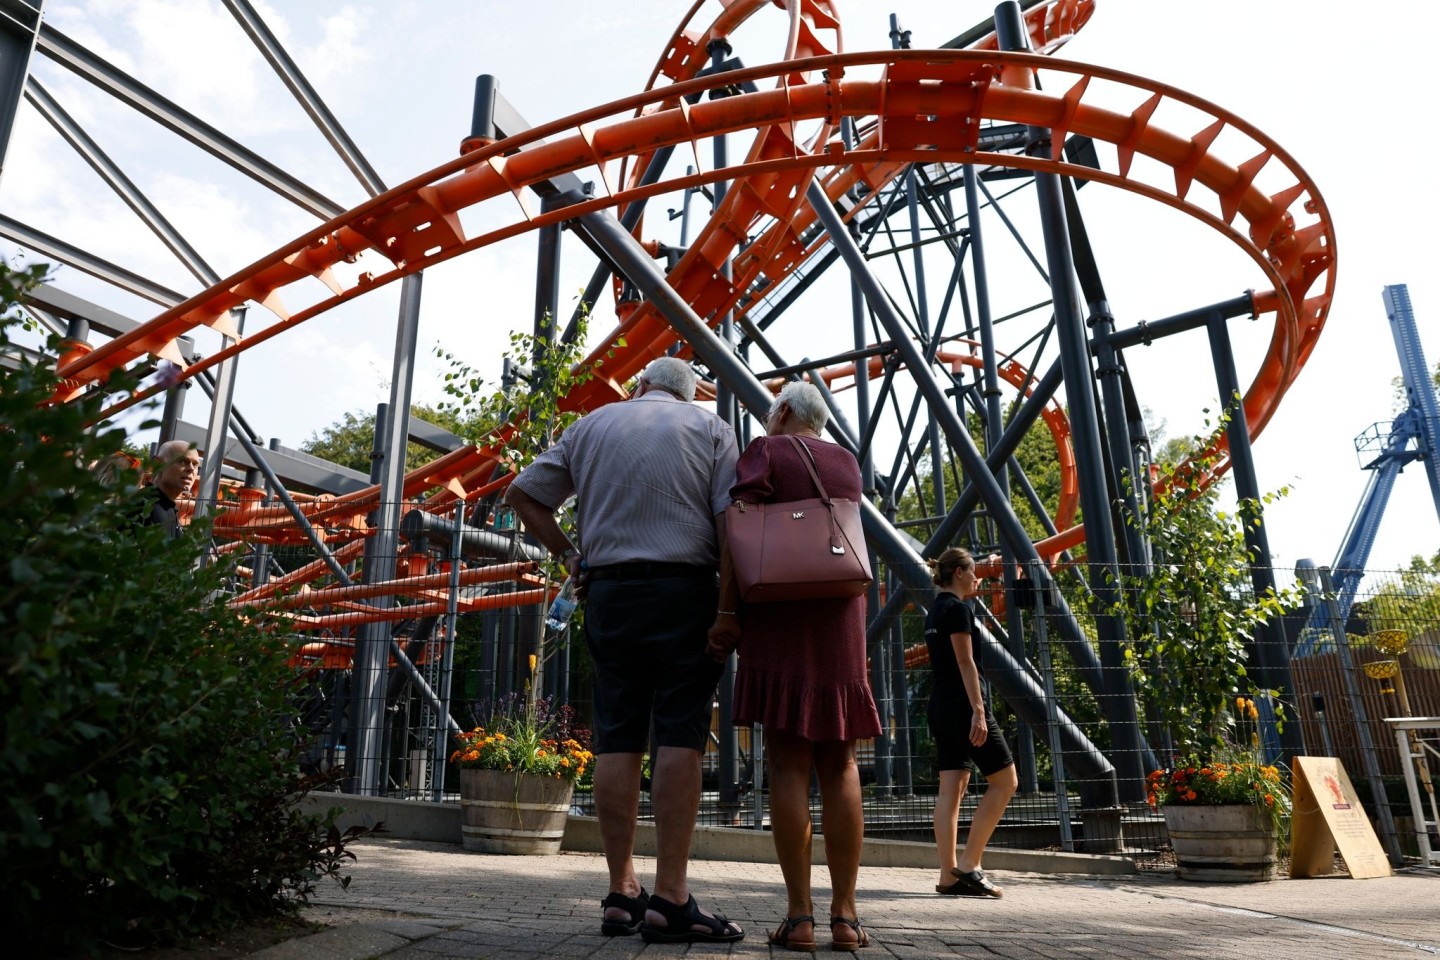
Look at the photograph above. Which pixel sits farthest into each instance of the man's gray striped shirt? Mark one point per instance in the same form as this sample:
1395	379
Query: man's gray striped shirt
649	475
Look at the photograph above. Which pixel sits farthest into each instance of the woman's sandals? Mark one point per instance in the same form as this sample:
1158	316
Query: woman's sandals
785	936
972	884
862	939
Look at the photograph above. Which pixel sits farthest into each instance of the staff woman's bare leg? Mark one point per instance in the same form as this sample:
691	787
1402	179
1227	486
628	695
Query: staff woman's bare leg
953	784
1001	786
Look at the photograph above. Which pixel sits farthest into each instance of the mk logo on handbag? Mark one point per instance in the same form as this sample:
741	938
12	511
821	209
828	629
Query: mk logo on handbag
798	515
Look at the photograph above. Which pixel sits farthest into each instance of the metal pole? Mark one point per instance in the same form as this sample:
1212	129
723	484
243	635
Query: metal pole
215	433
994	429
1272	652
373	645
447	661
1118	699
1052	726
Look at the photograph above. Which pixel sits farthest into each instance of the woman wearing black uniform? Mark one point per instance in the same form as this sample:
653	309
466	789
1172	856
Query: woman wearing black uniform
964	729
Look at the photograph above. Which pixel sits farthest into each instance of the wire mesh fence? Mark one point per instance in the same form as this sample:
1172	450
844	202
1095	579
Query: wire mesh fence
396	654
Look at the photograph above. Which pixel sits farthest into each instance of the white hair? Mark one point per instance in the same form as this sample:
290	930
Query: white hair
673	374
172	450
805	403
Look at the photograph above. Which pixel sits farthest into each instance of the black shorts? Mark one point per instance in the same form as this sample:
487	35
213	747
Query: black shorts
950	728
647	640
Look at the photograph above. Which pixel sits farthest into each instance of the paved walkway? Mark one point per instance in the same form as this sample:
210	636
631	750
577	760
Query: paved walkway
451	904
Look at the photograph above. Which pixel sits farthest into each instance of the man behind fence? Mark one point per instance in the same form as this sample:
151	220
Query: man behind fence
650	477
177	467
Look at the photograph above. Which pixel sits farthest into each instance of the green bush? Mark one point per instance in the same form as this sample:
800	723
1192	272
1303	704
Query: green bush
149	759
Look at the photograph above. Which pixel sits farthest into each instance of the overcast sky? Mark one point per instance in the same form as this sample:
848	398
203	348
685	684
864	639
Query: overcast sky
1345	95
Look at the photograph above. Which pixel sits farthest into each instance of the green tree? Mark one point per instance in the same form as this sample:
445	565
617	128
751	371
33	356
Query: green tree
150	761
1190	617
349	442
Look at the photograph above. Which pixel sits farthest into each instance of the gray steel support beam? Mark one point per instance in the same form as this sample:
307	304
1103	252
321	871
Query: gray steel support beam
1118	700
130	91
47	246
19	27
994	430
305	95
372	650
221	406
1272	651
292	468
115	178
67	306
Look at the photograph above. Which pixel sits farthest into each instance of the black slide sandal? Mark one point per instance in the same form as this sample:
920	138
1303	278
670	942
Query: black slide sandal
680	923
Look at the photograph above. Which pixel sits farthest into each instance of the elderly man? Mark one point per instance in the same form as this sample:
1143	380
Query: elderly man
177	467
650	477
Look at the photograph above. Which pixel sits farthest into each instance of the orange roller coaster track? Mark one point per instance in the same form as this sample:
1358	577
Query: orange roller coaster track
910	107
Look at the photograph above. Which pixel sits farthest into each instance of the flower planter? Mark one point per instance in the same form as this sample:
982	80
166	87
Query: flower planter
513	813
1234	843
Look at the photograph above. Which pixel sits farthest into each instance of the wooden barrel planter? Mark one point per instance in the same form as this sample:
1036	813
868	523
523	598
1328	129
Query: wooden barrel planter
514	813
1234	843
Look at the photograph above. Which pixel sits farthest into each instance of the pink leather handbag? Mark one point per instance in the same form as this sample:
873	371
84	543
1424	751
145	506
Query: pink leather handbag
799	550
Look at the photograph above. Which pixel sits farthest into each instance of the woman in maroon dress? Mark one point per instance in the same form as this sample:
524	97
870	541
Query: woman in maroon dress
802	675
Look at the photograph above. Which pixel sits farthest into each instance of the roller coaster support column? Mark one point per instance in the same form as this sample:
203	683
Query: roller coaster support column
372	648
725	407
221	402
1118	701
879	675
994	430
1272	651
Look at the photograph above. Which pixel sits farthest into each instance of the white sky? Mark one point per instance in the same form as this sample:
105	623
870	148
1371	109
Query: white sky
1341	92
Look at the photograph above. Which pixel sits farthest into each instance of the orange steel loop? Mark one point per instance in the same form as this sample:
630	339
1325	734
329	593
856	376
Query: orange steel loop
926	107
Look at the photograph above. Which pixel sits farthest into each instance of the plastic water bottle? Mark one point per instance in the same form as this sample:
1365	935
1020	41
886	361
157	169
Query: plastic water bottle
562	607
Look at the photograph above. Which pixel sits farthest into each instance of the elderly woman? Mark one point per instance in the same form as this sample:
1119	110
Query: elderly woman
802	675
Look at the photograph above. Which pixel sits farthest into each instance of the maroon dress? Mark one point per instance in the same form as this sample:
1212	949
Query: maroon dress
802	663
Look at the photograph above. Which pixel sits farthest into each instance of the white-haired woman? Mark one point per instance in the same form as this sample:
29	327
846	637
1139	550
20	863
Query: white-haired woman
802	675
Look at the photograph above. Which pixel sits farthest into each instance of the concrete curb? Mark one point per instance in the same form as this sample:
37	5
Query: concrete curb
440	823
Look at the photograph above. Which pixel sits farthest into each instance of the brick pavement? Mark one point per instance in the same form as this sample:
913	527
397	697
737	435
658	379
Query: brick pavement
453	904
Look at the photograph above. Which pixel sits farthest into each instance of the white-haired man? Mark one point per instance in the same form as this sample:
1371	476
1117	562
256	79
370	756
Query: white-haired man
177	465
650	476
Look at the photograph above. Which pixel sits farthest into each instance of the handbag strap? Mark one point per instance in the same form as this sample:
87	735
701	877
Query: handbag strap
808	459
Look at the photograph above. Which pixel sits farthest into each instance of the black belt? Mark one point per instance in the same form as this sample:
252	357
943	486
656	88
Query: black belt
648	570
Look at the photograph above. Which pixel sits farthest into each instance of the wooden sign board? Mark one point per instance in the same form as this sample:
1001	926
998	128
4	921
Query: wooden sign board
1327	815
